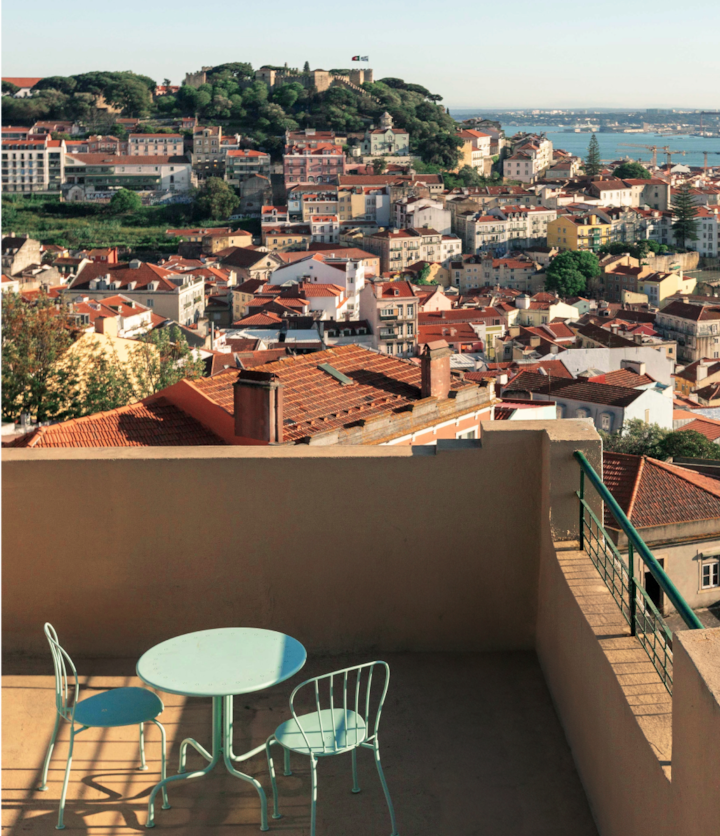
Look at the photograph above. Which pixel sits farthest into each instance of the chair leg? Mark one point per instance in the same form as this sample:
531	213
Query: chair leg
287	771
376	751
271	770
356	786
46	765
143	766
313	802
163	764
60	825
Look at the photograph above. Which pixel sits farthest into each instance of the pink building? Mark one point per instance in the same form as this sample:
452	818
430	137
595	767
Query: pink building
313	165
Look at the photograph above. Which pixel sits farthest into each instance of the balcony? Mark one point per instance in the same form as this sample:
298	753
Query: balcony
519	702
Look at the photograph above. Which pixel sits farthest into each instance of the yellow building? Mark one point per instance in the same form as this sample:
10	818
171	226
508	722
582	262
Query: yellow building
285	239
578	232
659	286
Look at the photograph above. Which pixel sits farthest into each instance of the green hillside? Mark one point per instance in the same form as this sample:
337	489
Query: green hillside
234	98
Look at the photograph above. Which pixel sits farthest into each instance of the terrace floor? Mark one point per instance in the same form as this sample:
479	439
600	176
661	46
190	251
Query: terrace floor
470	743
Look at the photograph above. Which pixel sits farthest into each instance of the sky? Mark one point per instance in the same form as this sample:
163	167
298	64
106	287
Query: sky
479	54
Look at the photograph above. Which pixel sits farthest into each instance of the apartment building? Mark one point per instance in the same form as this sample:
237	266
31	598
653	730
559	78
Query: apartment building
506	227
418	212
708	231
18	253
325	268
155	145
321	164
579	232
324	229
33	165
208	156
695	328
311	138
391	308
242	163
475	151
88	174
401	248
532	155
474	271
180	297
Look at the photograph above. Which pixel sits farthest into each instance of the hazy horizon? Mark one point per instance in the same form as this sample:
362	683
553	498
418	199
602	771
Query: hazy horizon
575	58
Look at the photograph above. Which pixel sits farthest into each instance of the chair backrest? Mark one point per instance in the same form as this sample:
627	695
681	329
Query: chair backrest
65	685
349	689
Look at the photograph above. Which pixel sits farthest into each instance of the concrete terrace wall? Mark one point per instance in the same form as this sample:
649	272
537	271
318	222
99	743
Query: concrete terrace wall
347	549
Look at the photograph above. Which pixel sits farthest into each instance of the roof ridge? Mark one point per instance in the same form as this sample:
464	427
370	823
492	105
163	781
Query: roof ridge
704	483
636	487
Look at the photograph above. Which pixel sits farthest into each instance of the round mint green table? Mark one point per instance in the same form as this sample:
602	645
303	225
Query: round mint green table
219	664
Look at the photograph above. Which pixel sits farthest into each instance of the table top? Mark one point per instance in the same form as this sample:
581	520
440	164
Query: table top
215	663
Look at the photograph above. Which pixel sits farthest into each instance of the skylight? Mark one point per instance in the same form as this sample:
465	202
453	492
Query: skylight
333	372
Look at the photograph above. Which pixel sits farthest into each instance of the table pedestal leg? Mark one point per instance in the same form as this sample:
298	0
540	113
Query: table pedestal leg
227	753
222	724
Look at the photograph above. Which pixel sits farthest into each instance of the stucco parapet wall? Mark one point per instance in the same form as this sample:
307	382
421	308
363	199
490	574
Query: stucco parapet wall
420	415
562	437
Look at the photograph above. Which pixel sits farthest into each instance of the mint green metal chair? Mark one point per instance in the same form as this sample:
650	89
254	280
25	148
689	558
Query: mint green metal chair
334	730
114	708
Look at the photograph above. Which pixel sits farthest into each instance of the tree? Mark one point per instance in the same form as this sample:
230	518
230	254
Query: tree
688	444
216	199
163	358
379	165
306	67
593	163
124	201
637	438
641	439
9	89
569	272
685	210
34	340
631	171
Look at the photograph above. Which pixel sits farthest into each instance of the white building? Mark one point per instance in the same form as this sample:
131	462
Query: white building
708	242
155	145
33	165
418	212
532	156
347	273
325	229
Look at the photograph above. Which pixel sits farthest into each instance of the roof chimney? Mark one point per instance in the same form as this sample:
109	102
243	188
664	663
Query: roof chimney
701	370
258	402
435	370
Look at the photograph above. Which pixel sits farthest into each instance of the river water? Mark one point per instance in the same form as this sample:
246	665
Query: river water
611	144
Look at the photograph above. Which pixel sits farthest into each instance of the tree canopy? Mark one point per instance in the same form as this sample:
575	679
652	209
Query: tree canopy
685	211
631	171
216	199
641	439
569	272
124	201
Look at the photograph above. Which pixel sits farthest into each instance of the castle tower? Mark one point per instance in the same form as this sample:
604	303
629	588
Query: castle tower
386	121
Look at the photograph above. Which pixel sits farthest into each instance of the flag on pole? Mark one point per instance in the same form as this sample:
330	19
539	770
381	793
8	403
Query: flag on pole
361	58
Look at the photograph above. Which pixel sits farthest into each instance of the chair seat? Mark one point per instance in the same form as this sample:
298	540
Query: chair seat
338	731
118	707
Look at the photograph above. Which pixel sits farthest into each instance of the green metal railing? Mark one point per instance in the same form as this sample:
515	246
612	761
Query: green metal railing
635	604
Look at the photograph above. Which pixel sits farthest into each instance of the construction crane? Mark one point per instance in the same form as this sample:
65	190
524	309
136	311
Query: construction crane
669	154
653	148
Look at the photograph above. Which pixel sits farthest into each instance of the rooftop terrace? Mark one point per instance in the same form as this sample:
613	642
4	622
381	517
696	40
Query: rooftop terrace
519	703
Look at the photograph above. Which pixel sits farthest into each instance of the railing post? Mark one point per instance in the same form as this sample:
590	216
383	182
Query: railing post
631	587
582	509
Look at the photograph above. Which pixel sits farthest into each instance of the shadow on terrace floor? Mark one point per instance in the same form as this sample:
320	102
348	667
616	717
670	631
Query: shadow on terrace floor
470	744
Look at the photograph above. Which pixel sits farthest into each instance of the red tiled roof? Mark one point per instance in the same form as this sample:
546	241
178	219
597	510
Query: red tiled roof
314	401
150	423
124	273
623	377
575	390
654	493
22	81
708	427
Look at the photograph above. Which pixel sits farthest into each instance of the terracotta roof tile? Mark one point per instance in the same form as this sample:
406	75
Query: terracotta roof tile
156	423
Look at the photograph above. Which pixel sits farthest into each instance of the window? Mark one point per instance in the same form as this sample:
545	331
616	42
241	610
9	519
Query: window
711	574
467	434
150	303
